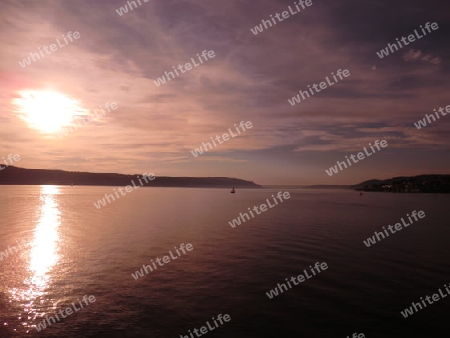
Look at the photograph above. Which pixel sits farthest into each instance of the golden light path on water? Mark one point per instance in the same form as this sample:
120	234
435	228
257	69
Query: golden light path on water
43	256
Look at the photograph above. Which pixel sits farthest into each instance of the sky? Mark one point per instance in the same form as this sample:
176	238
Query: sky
117	58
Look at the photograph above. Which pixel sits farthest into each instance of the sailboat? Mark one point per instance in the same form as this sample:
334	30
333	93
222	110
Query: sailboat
232	190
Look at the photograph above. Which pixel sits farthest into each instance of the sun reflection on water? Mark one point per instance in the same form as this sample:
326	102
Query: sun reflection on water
43	256
44	246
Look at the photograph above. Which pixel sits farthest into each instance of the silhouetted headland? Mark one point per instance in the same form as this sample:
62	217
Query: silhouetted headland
20	176
415	184
429	183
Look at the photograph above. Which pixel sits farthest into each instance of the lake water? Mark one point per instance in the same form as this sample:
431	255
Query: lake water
69	249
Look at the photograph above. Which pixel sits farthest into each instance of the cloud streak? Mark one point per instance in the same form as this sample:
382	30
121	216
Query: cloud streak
118	58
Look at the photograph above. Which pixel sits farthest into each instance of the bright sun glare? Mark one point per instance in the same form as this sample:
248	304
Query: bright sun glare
47	111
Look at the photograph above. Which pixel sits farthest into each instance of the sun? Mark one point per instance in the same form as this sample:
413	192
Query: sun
46	110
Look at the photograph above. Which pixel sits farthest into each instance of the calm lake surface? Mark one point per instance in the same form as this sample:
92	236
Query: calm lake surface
72	249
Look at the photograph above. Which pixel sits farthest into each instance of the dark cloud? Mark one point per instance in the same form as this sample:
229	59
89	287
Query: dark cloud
251	78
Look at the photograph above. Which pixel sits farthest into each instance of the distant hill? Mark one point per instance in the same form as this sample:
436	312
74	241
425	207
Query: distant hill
322	186
416	184
20	176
